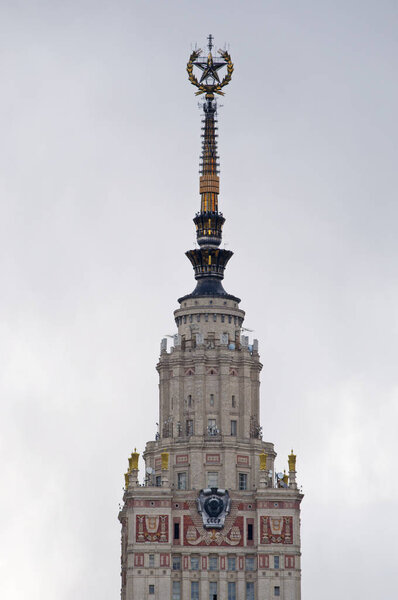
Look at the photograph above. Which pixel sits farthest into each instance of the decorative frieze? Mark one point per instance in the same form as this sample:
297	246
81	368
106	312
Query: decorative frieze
279	504
276	530
152	528
196	535
213	459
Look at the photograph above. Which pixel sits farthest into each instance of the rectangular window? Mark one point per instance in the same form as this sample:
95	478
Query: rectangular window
194	590
212	480
176	590
176	563
233	402
158	481
231	590
151	560
195	563
211	399
189	427
212	590
181	481
213	563
249	590
234	427
249	563
151	589
231	563
243	481
249	531
189	400
212	427
176	531
276	562
277	590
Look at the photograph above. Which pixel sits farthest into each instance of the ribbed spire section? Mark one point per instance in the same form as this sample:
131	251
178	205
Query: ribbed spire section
209	180
209	261
209	221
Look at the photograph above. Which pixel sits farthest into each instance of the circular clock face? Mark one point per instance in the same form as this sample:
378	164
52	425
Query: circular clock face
213	506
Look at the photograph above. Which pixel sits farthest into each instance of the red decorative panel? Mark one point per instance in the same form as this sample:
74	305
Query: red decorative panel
149	503
165	560
181	459
240	563
196	535
263	561
204	563
185	563
279	504
276	530
158	463
213	458
138	559
243	460
152	528
289	561
247	506
222	562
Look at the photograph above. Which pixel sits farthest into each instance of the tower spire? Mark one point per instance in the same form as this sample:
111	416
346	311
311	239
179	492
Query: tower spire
209	261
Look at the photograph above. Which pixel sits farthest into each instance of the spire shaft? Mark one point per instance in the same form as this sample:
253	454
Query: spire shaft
209	180
209	261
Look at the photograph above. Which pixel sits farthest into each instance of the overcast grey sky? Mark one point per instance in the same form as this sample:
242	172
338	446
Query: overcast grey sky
100	138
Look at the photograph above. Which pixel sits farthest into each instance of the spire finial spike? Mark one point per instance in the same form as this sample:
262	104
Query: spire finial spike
210	42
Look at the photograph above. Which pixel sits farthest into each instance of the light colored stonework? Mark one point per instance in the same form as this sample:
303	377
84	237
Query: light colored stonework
209	378
210	435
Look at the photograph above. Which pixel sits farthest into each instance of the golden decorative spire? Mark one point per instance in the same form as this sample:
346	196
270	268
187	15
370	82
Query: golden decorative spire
165	461
263	461
133	460
292	461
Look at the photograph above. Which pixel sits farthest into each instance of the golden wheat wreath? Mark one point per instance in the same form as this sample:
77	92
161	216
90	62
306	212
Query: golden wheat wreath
210	89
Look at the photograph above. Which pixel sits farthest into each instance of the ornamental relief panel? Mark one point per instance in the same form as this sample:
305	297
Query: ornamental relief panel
152	528
276	530
196	535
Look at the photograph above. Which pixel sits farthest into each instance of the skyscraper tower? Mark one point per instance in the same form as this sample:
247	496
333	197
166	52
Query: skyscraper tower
212	519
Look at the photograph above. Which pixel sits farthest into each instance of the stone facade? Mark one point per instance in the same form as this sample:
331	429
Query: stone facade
212	520
210	437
